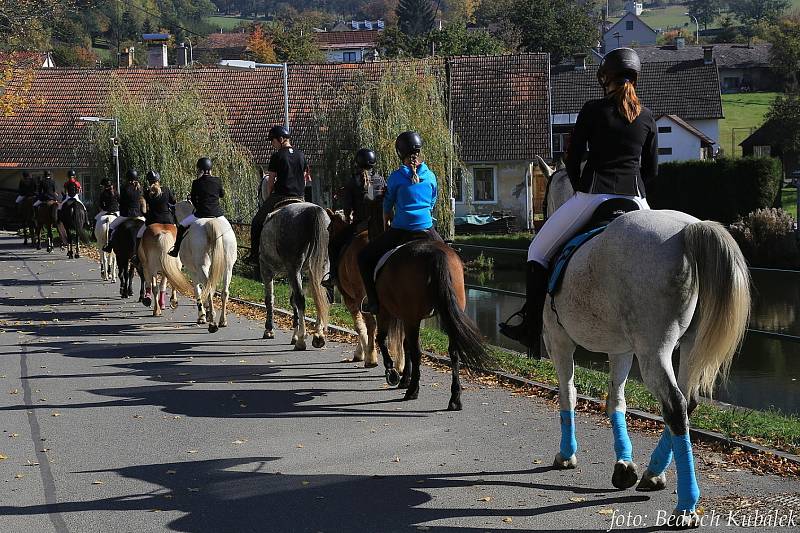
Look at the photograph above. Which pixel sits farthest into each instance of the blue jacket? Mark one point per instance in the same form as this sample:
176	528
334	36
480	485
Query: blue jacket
412	202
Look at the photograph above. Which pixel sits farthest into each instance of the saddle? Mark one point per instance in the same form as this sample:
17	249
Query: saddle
385	258
605	213
283	203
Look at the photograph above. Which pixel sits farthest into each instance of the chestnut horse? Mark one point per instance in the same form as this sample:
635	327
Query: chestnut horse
46	218
421	278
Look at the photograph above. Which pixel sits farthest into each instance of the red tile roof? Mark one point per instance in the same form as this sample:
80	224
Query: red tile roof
221	41
23	59
340	39
500	106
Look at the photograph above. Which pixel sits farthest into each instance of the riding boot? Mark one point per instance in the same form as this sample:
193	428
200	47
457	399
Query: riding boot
108	248
529	331
177	248
370	303
255	242
329	282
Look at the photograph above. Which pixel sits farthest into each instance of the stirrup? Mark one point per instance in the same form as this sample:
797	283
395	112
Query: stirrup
174	252
368	307
328	281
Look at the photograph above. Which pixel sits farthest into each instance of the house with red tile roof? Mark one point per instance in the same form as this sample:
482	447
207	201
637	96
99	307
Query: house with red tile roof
217	46
348	46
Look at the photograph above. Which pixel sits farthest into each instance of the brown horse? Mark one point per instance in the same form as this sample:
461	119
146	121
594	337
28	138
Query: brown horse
46	218
27	216
421	278
157	240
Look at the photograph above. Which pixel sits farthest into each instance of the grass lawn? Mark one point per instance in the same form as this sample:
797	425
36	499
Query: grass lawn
789	200
741	111
769	428
226	23
512	240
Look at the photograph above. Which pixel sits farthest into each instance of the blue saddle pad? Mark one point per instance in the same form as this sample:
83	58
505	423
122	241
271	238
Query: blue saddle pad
560	266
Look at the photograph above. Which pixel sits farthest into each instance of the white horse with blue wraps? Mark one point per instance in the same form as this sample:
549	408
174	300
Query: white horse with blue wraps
652	281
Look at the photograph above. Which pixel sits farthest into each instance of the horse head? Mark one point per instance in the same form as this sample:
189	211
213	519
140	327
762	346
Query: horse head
559	188
338	223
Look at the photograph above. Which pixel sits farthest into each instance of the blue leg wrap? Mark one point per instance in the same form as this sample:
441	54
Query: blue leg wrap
622	443
662	455
688	491
568	443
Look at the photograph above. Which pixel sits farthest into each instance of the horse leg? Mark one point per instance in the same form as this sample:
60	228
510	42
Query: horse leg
625	470
405	379
201	311
299	306
147	300
371	352
49	239
226	284
561	350
173	299
384	324
361	329
455	386
212	324
658	375
414	355
269	303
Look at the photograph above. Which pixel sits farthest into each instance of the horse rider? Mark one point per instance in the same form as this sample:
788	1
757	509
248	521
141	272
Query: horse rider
27	187
47	189
408	205
363	186
160	203
622	141
206	193
72	190
108	200
130	205
287	175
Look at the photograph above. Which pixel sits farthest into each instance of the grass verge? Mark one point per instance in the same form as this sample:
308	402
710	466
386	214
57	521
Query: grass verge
789	201
744	113
767	428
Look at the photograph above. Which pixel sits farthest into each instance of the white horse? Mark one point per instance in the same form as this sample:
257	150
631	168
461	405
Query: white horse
208	252
108	261
652	281
156	241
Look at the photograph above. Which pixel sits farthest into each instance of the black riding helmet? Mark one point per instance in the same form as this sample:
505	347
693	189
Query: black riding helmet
408	143
204	164
366	159
619	64
132	175
278	132
47	174
153	176
105	182
71	173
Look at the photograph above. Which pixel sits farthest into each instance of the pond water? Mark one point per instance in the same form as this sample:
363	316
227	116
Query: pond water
766	374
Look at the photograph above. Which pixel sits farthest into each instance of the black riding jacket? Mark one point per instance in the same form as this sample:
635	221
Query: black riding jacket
206	193
108	200
158	207
623	156
355	197
47	190
129	200
289	165
27	187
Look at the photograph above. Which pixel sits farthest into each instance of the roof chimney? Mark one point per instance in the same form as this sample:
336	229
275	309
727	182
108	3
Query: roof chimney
708	55
580	61
126	57
157	55
183	55
680	43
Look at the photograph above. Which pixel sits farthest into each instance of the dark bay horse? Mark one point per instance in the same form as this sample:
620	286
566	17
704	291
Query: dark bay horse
46	219
73	218
420	278
123	243
27	216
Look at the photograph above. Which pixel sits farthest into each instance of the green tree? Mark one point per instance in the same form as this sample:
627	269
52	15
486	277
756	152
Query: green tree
559	27
415	17
456	40
294	44
785	52
706	11
755	12
785	113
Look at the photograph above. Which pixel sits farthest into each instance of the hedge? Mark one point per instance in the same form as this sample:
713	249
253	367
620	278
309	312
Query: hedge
722	189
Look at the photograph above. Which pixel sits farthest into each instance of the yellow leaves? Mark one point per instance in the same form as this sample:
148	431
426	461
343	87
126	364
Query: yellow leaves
14	391
485	499
98	482
507	520
56	414
3	457
606	511
300	446
577	499
191	451
239	441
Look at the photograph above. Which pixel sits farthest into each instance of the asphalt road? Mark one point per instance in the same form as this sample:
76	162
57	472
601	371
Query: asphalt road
114	421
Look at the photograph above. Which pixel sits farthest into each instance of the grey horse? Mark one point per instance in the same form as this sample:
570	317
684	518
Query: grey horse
295	240
652	281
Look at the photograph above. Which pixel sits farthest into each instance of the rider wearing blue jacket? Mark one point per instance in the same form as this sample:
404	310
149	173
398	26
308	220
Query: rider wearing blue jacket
408	204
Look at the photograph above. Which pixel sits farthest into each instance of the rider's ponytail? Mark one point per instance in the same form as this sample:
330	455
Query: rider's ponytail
627	102
155	190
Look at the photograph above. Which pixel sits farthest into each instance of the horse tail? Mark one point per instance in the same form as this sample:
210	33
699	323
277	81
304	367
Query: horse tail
169	265
80	221
465	339
317	262
722	282
217	252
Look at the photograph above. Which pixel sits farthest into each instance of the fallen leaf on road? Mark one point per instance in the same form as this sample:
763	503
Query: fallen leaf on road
304	482
137	416
605	511
537	461
239	441
18	476
14	391
191	451
193	490
3	457
97	482
13	435
485	499
396	460
507	520
56	414
171	472
300	446
577	499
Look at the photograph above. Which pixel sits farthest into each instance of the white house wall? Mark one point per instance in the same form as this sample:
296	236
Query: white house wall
685	145
641	34
709	127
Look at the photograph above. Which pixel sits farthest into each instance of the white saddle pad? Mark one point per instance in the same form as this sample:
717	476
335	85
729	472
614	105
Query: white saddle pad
385	258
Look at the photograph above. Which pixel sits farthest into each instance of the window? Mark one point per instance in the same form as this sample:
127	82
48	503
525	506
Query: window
560	142
629	25
665	129
665	151
350	57
484	184
762	151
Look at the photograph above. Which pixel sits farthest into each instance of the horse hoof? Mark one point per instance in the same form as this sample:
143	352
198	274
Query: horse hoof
318	341
146	301
201	321
77	256
223	324
404	383
684	520
300	346
173	305
213	328
651	482
565	464
370	365
454	405
625	475
392	377
268	335
408	396
294	340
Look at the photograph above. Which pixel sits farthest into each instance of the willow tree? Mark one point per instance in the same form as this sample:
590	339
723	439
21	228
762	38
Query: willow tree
167	131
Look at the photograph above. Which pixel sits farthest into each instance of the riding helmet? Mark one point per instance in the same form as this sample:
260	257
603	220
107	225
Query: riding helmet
278	132
204	164
46	174
408	143
105	182
153	176
366	159
619	64
133	174
71	173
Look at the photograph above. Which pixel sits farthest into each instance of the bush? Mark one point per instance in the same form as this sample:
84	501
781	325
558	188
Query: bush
723	190
767	238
